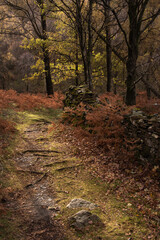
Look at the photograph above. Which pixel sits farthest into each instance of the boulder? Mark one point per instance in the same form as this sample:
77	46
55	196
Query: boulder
81	203
83	219
78	94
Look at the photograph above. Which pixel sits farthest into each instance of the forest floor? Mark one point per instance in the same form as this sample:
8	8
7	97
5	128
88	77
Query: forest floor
40	175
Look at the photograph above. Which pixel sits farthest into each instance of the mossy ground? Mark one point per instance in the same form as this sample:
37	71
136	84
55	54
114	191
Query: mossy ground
70	178
120	220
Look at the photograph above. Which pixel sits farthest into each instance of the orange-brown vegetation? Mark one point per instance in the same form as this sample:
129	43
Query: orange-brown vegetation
23	101
98	136
102	126
26	101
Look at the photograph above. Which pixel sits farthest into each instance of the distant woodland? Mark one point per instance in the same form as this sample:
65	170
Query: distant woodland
110	46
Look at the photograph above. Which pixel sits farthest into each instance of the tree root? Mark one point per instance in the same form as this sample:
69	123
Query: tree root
39	150
39	180
29	171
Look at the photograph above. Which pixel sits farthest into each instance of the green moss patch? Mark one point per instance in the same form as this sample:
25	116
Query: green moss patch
121	220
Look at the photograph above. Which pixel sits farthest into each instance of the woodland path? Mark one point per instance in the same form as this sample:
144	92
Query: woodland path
47	176
32	203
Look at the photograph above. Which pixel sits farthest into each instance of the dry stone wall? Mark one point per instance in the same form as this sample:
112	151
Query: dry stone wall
146	129
78	94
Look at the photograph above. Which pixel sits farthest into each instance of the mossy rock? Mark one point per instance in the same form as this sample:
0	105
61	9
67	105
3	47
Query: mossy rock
76	95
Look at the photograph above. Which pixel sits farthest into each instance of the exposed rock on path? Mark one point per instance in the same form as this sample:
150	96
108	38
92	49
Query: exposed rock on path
84	218
81	203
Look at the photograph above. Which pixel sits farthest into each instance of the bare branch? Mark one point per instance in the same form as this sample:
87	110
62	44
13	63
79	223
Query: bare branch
151	21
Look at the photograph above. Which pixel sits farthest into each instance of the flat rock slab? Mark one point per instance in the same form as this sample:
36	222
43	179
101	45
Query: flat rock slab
81	203
83	219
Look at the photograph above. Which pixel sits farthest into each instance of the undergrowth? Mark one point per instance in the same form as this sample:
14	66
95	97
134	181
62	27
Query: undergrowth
102	125
19	102
98	135
27	101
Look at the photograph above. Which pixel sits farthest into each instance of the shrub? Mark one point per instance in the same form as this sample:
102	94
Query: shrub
6	126
26	101
102	125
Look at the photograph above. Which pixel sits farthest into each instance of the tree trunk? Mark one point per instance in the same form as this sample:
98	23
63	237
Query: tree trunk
132	55
82	41
85	46
46	58
76	70
89	50
85	67
76	62
3	83
115	88
108	49
131	77
148	89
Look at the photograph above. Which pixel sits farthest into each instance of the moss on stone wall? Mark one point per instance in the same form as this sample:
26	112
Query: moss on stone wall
76	95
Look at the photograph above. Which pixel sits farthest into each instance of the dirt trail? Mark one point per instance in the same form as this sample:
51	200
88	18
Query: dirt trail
47	177
34	205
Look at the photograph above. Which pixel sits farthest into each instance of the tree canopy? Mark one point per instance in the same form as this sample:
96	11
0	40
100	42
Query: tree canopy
107	45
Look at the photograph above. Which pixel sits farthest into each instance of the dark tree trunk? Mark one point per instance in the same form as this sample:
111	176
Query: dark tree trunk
132	54
115	88
85	67
148	89
108	49
76	69
3	83
80	33
46	58
130	82
89	50
76	62
85	46
27	87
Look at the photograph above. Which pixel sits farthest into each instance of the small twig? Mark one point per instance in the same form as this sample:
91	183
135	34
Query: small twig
43	155
60	191
51	164
39	150
28	171
32	184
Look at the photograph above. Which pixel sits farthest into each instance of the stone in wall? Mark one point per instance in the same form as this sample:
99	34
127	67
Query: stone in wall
146	128
78	94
